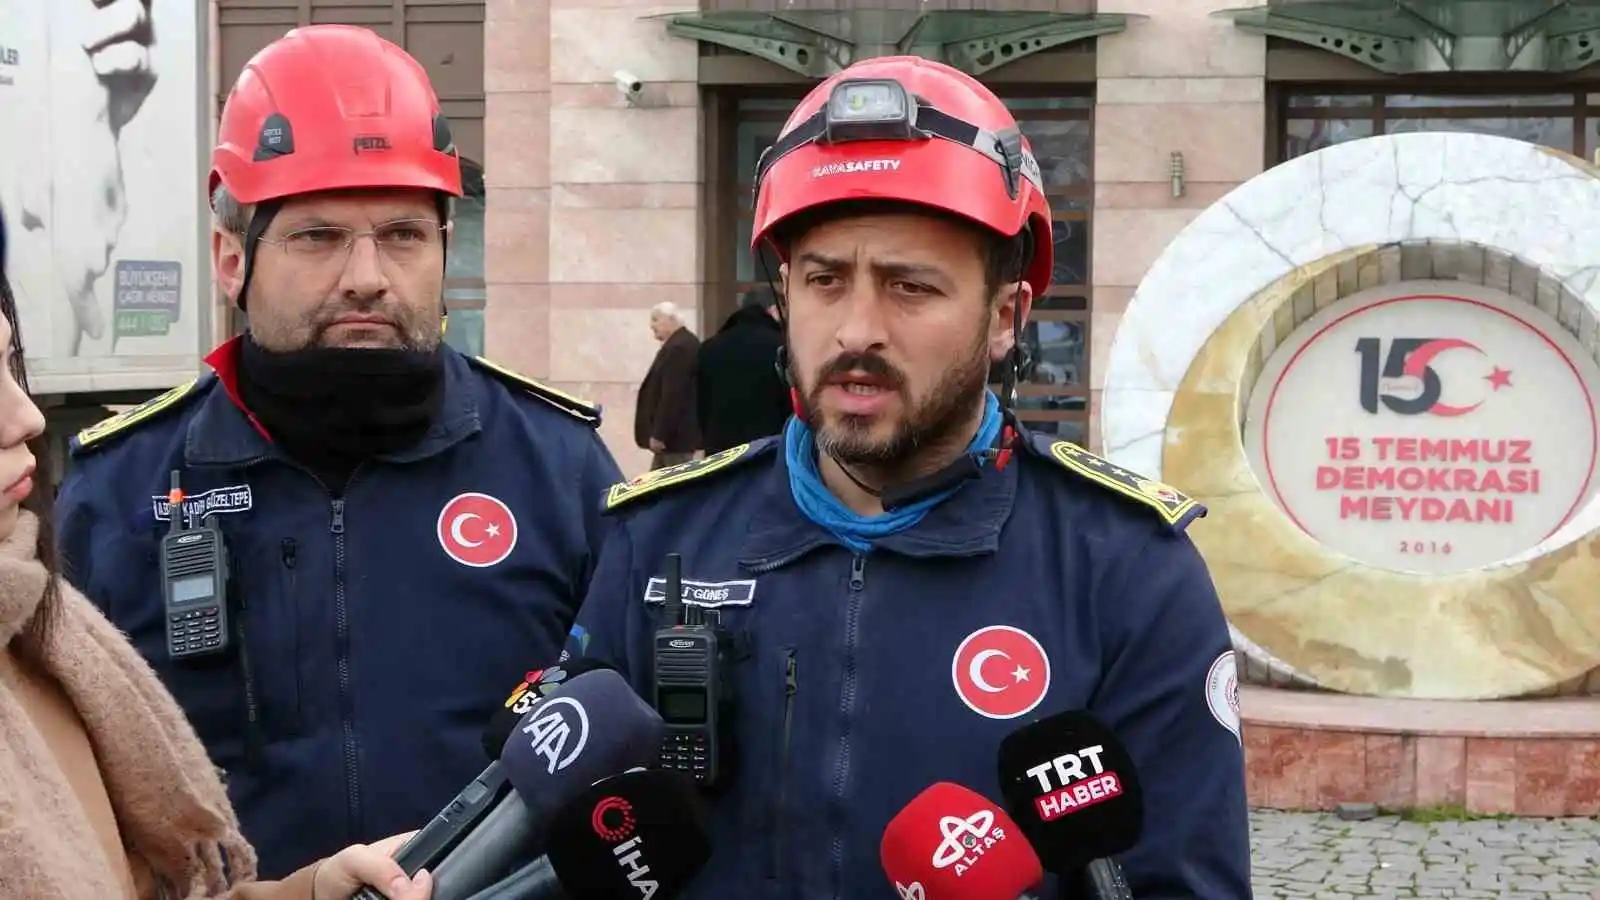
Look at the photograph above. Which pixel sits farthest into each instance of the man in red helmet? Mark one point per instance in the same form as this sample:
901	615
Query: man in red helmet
405	527
907	574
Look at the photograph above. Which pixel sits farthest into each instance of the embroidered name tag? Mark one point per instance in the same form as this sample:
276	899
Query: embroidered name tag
704	593
232	499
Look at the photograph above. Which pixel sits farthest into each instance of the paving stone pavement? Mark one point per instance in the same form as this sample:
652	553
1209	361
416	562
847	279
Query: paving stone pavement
1315	856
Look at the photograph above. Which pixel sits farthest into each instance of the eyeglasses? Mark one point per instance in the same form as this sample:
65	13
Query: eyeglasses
402	241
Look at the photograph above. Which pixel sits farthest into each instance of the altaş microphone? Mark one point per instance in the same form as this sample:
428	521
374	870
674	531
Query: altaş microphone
593	727
1071	786
429	845
950	843
534	686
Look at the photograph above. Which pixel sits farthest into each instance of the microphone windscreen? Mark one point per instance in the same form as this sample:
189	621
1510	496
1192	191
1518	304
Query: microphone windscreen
950	843
634	835
1071	786
535	685
593	727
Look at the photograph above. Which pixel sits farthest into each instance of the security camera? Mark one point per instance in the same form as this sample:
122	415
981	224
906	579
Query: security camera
628	84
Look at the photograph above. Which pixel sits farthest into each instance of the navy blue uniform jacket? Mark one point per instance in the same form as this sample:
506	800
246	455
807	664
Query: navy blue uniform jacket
1059	582
380	628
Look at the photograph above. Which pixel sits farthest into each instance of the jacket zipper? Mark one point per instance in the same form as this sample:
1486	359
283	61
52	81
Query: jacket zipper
341	613
254	740
847	704
791	684
289	550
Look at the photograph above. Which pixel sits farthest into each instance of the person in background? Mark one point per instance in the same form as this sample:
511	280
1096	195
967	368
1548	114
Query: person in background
406	527
105	790
664	420
739	393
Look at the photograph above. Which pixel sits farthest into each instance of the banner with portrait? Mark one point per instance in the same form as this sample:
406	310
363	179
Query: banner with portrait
101	181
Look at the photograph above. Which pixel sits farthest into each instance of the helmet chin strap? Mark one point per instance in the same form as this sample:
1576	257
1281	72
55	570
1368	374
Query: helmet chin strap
260	220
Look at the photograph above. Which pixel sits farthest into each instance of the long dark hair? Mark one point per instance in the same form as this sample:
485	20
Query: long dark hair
42	499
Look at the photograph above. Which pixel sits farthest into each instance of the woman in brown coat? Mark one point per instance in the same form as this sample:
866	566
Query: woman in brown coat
105	790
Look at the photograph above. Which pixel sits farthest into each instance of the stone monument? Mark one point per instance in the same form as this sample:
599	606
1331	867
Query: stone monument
1376	364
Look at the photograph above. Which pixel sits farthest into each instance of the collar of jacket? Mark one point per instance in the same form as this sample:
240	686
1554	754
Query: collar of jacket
223	434
967	524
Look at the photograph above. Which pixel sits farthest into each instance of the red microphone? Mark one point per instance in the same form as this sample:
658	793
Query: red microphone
952	844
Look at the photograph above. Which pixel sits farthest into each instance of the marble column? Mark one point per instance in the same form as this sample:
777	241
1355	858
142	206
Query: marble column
593	209
1178	81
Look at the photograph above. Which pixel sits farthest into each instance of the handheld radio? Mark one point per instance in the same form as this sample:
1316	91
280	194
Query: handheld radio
691	687
194	580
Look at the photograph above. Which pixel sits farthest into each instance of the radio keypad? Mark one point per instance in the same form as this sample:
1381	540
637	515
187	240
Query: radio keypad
194	630
687	753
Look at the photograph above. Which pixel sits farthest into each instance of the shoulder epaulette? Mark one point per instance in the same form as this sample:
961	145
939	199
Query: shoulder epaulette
624	492
100	433
582	410
1174	508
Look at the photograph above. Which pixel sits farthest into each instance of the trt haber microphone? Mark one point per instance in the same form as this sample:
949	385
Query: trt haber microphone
1070	785
535	685
950	843
593	727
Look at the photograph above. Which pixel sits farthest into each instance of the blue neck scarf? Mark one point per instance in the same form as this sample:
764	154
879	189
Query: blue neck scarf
851	528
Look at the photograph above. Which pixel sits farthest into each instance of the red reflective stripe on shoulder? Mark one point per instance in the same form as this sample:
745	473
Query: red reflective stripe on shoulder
225	362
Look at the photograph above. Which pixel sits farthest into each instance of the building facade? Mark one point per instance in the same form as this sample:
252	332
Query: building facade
587	206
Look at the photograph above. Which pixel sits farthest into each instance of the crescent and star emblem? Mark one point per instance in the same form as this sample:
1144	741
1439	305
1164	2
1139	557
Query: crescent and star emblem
477	529
490	530
975	671
1000	672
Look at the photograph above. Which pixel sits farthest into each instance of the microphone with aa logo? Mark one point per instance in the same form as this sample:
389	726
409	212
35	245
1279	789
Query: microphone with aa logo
950	843
595	726
535	686
486	792
1072	788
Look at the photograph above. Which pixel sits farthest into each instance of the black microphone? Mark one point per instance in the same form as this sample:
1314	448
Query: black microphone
636	836
537	879
1071	787
593	727
535	685
484	793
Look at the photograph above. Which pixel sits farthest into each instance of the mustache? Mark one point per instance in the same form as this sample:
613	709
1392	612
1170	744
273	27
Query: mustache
869	363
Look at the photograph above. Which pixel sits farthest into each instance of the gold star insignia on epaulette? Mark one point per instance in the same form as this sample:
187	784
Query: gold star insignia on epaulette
1174	507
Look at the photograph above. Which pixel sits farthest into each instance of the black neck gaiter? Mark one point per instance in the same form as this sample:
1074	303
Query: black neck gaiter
332	408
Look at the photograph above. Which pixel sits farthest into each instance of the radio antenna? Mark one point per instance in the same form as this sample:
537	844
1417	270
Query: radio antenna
174	504
673	590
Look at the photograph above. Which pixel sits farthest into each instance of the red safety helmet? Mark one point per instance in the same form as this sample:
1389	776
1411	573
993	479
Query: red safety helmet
907	129
332	106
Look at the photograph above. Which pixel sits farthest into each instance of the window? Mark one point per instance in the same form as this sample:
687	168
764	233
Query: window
1053	392
759	123
1054	389
464	289
1564	121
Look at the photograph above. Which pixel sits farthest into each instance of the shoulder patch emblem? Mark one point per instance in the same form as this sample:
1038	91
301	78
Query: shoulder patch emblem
95	435
1176	509
1222	692
582	410
667	476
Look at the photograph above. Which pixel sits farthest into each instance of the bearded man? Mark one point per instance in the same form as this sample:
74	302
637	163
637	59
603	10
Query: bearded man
404	527
907	575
